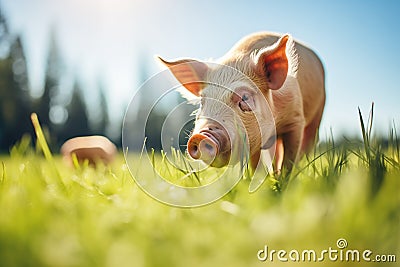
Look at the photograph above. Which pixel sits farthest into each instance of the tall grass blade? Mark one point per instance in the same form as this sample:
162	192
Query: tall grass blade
374	157
164	162
40	137
42	143
75	161
365	137
370	120
377	172
394	143
3	175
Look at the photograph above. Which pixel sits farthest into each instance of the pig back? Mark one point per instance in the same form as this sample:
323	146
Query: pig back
311	78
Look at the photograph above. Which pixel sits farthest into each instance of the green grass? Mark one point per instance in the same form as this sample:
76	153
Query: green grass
54	215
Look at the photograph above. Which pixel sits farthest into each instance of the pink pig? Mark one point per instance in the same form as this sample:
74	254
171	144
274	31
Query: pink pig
288	76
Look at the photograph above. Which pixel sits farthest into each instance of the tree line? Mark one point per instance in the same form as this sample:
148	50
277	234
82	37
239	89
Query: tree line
61	117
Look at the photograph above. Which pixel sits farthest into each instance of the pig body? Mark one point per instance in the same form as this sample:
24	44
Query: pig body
287	75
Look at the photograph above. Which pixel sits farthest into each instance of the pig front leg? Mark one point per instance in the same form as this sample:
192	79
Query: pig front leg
254	158
290	148
279	154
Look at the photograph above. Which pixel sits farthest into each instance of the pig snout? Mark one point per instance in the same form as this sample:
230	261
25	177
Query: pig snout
201	146
211	145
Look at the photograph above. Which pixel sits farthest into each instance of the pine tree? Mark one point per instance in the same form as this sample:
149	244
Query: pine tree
14	86
105	119
77	123
101	120
52	80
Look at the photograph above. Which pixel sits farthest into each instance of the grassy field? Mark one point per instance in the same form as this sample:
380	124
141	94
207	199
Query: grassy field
55	215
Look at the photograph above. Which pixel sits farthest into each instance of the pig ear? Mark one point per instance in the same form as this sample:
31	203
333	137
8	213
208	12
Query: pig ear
276	62
189	72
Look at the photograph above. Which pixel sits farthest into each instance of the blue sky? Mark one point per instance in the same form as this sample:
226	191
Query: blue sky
116	39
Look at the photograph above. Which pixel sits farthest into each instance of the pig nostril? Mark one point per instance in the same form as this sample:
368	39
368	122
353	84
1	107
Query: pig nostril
194	151
209	147
203	147
213	128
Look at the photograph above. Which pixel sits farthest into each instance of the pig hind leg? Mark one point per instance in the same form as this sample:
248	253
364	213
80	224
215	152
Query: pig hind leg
291	146
310	133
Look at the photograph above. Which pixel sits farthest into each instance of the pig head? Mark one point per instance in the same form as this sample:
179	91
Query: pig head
267	85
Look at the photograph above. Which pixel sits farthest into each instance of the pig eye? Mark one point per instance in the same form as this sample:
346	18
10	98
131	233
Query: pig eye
244	103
